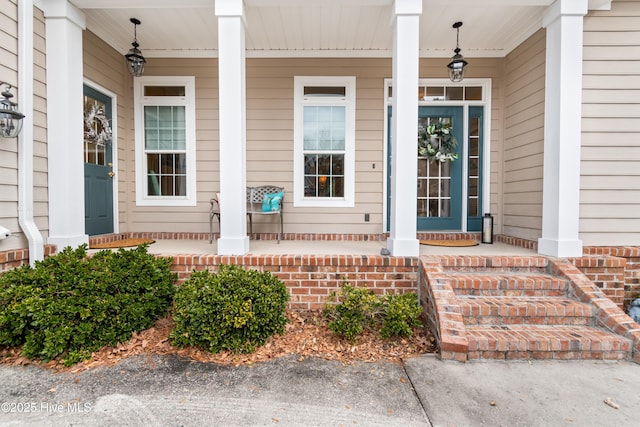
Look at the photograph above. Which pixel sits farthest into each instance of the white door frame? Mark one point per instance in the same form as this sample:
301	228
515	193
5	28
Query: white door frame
485	83
114	146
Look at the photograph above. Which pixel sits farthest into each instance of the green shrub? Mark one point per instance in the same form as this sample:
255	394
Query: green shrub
401	313
358	308
351	310
71	304
234	309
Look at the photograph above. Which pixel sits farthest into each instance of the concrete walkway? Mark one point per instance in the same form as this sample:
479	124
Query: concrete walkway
170	391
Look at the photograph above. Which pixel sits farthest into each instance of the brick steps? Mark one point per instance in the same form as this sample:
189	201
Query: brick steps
521	308
508	284
545	342
524	310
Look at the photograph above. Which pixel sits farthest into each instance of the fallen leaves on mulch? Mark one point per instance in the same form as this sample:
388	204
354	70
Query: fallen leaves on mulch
307	335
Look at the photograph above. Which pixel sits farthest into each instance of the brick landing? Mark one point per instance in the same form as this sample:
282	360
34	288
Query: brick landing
521	308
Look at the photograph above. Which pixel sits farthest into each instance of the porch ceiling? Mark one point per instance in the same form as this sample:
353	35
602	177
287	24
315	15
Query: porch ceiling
276	28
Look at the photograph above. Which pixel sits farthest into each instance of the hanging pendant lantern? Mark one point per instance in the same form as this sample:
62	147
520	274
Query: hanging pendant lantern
457	63
135	60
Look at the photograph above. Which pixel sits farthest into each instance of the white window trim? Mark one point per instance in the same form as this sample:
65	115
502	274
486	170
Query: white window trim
189	102
349	101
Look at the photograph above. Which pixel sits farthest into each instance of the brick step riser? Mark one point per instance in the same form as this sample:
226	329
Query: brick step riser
562	343
495	270
548	355
508	284
528	320
511	292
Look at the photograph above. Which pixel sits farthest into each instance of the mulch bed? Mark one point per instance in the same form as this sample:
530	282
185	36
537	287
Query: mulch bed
307	335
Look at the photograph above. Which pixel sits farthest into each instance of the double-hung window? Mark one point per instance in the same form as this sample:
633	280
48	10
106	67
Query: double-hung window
165	141
324	141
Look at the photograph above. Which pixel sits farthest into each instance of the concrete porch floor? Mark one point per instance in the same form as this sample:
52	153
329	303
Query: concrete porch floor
334	247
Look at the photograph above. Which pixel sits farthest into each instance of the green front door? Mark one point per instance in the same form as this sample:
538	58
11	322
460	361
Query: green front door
440	182
98	170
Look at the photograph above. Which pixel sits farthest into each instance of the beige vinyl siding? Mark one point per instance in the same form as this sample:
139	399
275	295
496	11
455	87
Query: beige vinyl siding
610	162
104	66
270	143
524	139
9	147
184	218
270	136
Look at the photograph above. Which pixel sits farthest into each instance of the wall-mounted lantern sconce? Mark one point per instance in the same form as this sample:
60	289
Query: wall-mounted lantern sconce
457	64
135	60
10	117
487	228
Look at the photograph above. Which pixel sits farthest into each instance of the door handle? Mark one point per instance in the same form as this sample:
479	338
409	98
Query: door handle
112	174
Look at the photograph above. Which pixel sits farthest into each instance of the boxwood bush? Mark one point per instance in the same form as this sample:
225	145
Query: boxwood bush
71	304
352	309
234	309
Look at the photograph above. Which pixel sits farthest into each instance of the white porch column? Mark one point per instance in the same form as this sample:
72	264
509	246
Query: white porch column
64	25
404	124
233	139
562	129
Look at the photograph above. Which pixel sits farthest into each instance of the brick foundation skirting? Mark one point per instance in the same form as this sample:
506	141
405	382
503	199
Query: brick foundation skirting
310	278
17	257
631	254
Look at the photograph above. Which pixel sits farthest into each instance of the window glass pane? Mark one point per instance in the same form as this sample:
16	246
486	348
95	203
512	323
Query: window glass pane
179	119
454	93
434	188
165	117
474	126
180	164
473	167
310	186
164	91
181	185
310	164
473	206
90	153
473	186
445	186
445	208
473	147
153	185
435	92
422	188
152	139
337	165
311	137
433	208
151	116
337	91
473	93
324	165
165	139
337	187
